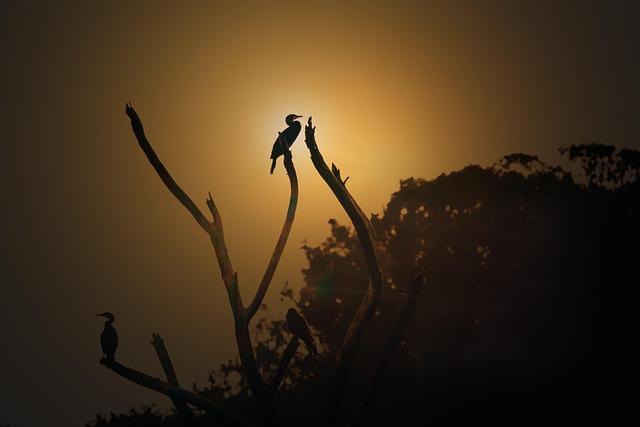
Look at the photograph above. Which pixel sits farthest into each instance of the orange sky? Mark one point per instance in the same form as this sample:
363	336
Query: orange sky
396	89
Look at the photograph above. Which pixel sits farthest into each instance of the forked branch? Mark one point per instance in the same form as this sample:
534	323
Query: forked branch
242	316
214	229
371	299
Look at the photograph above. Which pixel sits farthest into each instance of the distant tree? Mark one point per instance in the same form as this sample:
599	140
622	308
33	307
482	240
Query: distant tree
147	416
529	290
603	165
528	314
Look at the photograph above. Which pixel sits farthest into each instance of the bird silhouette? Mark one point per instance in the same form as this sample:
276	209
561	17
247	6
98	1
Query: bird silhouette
109	337
289	134
299	328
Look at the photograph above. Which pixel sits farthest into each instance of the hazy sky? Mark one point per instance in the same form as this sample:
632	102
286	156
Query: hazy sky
396	89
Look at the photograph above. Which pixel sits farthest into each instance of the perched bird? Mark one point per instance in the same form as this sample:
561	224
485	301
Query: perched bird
289	134
109	337
299	328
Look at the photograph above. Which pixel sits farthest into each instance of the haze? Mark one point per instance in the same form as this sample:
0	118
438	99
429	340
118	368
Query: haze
396	89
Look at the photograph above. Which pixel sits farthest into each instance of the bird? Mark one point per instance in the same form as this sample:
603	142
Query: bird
289	134
109	337
299	328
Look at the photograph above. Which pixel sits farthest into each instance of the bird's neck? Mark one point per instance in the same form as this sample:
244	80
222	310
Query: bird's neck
108	323
290	122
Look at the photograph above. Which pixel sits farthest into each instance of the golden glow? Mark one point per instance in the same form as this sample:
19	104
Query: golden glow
396	89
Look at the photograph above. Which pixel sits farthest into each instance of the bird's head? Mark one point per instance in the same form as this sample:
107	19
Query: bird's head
291	118
108	315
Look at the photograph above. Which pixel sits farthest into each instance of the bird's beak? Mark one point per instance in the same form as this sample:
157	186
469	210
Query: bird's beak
297	116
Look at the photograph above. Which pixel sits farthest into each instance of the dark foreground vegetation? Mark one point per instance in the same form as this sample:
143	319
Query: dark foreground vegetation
527	315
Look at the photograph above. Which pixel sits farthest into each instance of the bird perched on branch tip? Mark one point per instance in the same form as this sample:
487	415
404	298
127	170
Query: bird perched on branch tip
299	328
289	135
109	337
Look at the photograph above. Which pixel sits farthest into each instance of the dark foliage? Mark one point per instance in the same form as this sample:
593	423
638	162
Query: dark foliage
527	315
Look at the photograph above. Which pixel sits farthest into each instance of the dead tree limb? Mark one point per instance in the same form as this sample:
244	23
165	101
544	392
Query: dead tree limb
242	316
181	406
284	234
175	189
216	411
417	284
285	359
371	299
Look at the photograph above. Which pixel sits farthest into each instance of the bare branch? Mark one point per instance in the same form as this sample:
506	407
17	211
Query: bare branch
417	284
163	355
164	174
199	401
242	316
214	229
371	299
229	276
287	355
284	234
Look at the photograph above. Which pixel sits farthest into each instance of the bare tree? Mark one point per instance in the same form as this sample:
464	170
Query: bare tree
262	389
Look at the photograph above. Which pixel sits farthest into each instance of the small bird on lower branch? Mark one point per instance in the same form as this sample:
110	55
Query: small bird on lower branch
289	135
299	328
109	337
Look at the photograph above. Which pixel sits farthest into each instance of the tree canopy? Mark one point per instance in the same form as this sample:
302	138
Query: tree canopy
527	312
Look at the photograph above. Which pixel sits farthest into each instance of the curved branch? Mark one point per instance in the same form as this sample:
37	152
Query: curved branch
417	284
164	174
371	299
284	234
174	392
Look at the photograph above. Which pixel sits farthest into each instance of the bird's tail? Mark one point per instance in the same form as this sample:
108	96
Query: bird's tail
273	166
311	345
